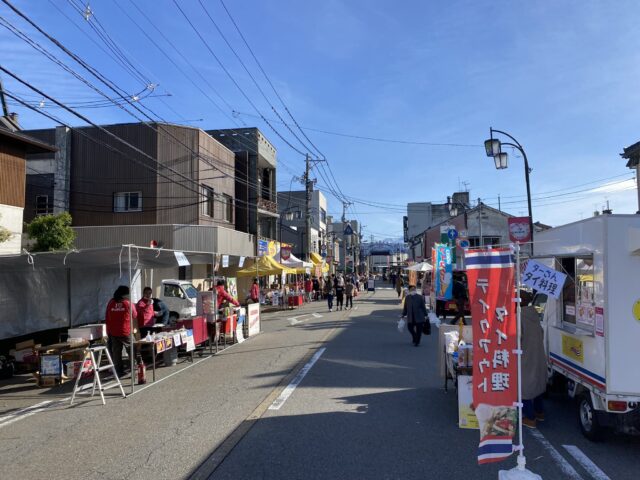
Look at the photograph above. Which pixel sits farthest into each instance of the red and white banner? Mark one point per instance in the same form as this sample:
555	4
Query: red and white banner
490	275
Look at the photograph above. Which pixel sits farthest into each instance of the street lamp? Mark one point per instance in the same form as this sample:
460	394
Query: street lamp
493	148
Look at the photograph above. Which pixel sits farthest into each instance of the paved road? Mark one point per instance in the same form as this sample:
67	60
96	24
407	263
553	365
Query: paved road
371	406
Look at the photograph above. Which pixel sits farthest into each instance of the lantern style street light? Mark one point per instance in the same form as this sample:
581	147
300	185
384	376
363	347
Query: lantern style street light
493	148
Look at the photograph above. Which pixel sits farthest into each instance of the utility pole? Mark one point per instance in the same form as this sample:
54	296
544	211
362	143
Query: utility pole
307	215
480	222
344	237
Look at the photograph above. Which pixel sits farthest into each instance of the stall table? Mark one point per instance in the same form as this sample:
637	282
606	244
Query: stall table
295	300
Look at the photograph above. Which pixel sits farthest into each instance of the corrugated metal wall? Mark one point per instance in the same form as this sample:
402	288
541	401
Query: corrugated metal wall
12	175
216	170
102	166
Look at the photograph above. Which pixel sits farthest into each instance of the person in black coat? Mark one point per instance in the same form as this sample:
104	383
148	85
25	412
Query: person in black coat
416	313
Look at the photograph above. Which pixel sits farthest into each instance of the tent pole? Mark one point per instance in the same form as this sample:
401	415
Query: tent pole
131	322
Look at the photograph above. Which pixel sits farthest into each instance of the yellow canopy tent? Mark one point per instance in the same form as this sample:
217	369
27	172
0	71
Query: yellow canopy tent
318	260
265	265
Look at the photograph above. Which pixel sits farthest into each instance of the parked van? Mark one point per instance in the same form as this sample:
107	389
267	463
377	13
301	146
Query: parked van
180	296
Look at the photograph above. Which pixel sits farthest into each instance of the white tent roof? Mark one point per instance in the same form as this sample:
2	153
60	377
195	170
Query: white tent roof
292	261
420	267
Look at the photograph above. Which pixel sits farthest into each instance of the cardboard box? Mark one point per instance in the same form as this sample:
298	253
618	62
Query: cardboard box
25	355
93	331
50	365
72	369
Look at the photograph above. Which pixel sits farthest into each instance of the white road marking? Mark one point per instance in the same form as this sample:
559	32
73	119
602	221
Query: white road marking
586	463
567	470
295	321
23	410
286	393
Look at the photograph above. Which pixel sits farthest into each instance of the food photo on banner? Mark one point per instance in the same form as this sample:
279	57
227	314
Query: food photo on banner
490	274
443	272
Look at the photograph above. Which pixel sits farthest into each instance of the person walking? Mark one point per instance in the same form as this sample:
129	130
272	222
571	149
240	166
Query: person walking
348	290
308	289
339	292
316	289
399	285
328	292
534	364
416	312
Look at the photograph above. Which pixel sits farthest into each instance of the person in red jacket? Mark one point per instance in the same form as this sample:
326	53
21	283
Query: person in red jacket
254	293
118	320
223	296
308	288
146	316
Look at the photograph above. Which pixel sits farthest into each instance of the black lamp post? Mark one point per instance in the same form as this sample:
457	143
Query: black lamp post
288	215
493	148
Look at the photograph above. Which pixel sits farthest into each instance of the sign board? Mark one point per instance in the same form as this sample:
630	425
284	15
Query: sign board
242	317
490	275
253	315
190	344
443	269
182	259
263	247
519	229
241	262
285	253
466	416
225	261
206	305
543	279
348	230
452	234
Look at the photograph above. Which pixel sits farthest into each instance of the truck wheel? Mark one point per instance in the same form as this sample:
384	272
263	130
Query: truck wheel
588	419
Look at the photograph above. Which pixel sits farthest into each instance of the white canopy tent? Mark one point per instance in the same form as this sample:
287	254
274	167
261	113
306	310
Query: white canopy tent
420	267
292	261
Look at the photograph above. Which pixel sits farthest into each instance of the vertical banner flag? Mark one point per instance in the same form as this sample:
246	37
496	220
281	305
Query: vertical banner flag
444	273
490	274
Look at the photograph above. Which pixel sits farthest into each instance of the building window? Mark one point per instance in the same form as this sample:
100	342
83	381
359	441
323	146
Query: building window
127	202
486	241
206	201
227	208
323	215
43	206
297	214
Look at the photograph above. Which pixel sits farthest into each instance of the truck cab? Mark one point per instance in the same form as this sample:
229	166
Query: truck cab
180	296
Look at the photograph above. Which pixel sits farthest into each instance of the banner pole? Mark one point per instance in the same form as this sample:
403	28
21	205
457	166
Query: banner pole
522	461
131	323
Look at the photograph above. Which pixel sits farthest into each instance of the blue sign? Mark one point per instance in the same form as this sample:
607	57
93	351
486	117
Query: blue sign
263	247
464	243
452	234
348	230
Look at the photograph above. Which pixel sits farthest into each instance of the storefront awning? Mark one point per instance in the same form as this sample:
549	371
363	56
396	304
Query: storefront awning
318	260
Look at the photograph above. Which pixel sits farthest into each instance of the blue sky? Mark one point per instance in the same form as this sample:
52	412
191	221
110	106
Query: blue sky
559	76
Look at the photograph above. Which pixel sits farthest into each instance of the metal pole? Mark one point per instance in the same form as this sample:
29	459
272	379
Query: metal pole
480	242
521	458
526	176
131	337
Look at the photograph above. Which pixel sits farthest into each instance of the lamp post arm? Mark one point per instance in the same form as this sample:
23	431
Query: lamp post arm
527	170
506	135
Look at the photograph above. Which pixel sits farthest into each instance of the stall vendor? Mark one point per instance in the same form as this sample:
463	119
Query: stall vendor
223	295
254	293
161	311
146	315
118	320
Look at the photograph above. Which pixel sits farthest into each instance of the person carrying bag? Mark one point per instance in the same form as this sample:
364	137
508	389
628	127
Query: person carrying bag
416	312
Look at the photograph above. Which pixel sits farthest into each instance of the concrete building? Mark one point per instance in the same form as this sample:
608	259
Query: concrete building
255	170
350	245
293	205
14	147
423	215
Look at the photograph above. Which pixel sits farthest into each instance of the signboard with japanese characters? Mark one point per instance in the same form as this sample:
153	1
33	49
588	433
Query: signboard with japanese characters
519	229
443	276
543	279
490	274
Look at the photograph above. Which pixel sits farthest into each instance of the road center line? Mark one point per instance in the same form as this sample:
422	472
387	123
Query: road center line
566	468
286	393
586	463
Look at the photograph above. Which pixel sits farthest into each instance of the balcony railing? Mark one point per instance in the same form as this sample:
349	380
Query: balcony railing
267	205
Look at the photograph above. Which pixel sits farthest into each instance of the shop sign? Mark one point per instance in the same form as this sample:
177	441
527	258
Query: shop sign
573	348
600	320
253	314
543	279
182	259
263	247
466	417
519	229
490	274
241	262
285	253
443	272
225	261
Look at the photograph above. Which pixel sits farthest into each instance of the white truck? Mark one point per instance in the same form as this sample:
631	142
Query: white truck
592	331
180	296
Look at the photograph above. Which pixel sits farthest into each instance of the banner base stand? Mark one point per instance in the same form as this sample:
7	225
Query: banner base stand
519	472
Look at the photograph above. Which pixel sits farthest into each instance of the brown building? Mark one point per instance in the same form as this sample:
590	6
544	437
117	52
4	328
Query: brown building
14	146
103	181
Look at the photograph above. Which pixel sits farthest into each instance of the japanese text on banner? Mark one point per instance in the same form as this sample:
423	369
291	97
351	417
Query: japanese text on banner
490	275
